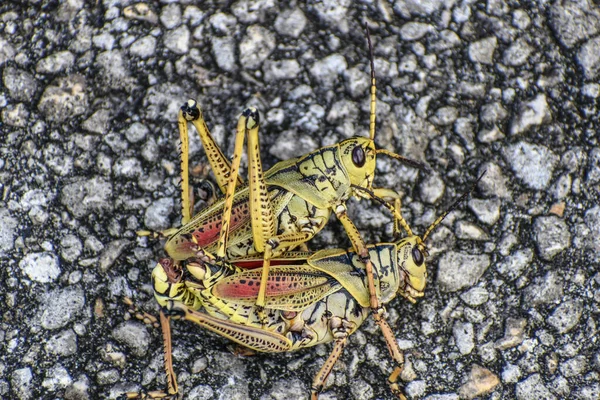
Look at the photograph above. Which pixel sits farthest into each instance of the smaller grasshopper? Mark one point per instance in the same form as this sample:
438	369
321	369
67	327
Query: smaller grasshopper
311	298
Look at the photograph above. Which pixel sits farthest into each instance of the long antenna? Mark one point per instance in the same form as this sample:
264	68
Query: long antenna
373	87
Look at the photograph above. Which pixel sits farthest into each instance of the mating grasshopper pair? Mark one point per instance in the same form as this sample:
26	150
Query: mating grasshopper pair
324	296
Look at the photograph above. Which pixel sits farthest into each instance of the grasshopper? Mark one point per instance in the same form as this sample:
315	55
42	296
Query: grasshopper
313	298
280	209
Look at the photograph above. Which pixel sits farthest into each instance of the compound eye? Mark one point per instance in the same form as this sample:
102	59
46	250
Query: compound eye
358	156
417	256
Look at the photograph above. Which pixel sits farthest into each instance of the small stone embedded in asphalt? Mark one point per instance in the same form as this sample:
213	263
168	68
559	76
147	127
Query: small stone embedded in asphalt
178	40
65	99
518	53
111	252
469	231
8	230
61	306
493	182
533	388
144	47
290	22
70	248
62	344
546	289
41	267
515	264
588	58
532	113
480	381
482	51
21	381
432	189
134	335
511	373
281	69
459	270
514	333
533	164
223	49
464	336
487	211
551	235
84	197
256	46
415	30
575	366
475	296
328	70
566	316
55	63
57	378
21	84
156	217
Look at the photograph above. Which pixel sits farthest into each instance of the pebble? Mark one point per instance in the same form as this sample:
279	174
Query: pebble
459	270
57	378
290	22
62	344
487	211
445	116
514	333
493	183
136	132
107	376
492	113
281	70
55	63
574	367
170	16
531	114
84	197
547	289
448	396
144	47
256	45
480	381
134	335
21	84
114	70
21	382
518	53
200	392
7	51
65	100
520	19
334	13
574	22
482	51
469	231
416	389
464	336
513	265
156	216
223	23
70	248
41	267
286	389
356	82
178	40
111	252
532	163
78	390
551	235
533	388
566	316
8	230
432	189
328	70
17	116
61	307
223	49
415	30
511	373
475	296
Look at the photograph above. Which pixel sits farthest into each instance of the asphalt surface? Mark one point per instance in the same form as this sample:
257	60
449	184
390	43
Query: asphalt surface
89	154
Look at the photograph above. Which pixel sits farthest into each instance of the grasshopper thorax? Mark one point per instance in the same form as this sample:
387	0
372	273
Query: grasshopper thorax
358	157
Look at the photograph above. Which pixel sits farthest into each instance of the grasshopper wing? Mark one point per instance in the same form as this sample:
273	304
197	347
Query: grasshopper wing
289	287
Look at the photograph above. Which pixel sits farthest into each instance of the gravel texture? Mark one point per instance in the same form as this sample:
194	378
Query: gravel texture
89	96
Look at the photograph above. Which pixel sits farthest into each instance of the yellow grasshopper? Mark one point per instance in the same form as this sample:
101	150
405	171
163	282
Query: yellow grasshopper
313	298
282	208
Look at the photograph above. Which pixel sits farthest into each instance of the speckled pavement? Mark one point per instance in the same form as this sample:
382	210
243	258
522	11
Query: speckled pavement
89	154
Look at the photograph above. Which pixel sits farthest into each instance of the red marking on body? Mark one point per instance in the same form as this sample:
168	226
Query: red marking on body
212	230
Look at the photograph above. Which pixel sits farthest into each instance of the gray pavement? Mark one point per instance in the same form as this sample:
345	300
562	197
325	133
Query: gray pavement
89	154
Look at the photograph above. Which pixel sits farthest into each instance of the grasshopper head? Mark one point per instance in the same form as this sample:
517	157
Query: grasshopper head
411	266
358	157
